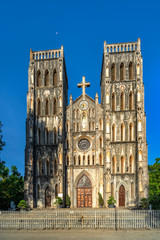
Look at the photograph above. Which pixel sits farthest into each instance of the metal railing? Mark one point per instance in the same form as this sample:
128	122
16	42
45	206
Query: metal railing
67	219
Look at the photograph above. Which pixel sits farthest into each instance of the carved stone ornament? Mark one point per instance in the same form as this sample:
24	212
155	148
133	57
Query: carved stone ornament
84	144
46	92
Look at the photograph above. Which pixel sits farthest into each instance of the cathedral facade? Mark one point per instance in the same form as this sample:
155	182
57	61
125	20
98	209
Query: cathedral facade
86	147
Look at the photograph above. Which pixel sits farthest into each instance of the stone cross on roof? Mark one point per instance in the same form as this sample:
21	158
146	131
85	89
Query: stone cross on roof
83	85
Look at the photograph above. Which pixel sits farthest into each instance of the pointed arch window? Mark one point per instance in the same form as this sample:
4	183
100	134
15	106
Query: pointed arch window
108	157
139	126
107	98
74	113
100	142
138	69
140	155
114	165
60	101
47	107
93	160
39	136
138	96
100	159
131	101
100	124
112	189
131	131
54	78
54	106
132	190
122	102
79	160
46	80
122	132
107	71
122	72
31	104
84	159
38	78
113	102
54	136
47	167
107	127
39	107
93	126
130	71
74	160
122	164
78	127
56	191
47	136
55	167
40	166
77	113
88	160
131	164
113	72
67	160
60	158
113	133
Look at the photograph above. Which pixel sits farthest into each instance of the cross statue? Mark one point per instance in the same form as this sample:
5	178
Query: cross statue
83	85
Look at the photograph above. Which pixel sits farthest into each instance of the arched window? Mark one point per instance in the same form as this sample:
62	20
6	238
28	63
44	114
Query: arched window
107	98
56	191
138	96
84	159
122	71
100	124
93	126
122	132
113	133
138	69
54	78
46	80
47	167
89	112
54	106
114	165
79	160
40	166
122	164
122	102
141	186
113	102
89	126
107	127
100	159
55	167
60	130
130	71
131	101
100	142
93	159
140	155
131	164
78	127
47	107
74	160
60	158
107	71
88	160
93	112
60	101
108	157
67	127
38	78
39	107
131	131
113	72
132	190
38	191
47	136
54	136
67	144
39	136
74	127
139	126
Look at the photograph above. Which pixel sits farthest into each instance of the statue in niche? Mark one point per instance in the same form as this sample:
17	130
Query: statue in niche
84	122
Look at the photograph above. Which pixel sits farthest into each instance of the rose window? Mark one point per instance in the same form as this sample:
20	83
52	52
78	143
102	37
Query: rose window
84	144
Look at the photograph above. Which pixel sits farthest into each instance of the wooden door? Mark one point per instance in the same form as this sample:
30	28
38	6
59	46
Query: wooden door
84	192
121	196
47	197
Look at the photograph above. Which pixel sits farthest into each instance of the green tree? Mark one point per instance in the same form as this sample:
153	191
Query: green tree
11	182
154	184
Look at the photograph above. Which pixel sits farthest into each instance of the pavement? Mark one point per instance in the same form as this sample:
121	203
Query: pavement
84	234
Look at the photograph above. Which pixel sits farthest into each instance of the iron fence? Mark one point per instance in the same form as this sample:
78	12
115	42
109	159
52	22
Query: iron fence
67	219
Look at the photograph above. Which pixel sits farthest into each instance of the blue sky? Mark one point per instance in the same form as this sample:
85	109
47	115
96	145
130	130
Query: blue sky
82	27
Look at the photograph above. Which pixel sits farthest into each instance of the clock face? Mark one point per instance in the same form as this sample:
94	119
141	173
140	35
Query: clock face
83	105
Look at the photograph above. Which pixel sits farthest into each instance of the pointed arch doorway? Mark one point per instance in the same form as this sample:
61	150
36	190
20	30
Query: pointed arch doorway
47	197
122	196
84	192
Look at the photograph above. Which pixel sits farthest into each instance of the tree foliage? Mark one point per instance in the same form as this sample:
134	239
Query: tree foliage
154	184
11	181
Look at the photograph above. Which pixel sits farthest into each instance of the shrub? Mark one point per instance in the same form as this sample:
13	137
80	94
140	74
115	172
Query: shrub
111	200
100	199
68	201
58	201
144	203
22	205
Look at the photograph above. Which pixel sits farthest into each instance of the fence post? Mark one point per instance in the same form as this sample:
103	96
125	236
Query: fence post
115	219
95	220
